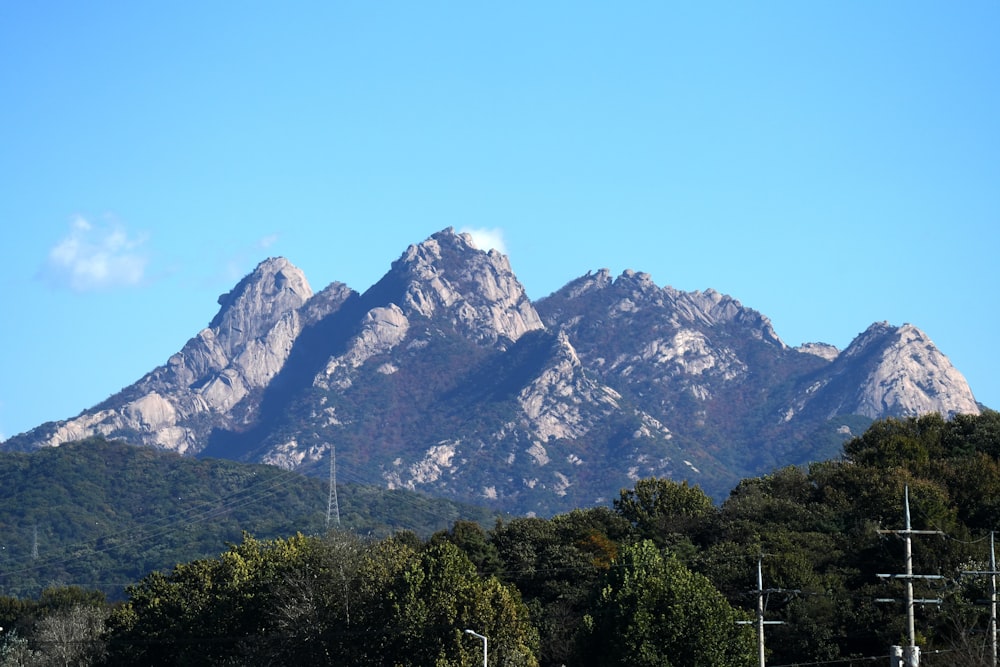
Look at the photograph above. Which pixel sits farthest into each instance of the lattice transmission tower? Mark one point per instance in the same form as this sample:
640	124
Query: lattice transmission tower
332	506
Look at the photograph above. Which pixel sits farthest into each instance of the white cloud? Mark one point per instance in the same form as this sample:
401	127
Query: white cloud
94	257
485	239
267	241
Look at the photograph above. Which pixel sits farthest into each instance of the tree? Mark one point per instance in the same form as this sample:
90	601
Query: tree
205	612
439	596
314	602
653	498
654	612
71	636
890	443
470	537
556	565
974	433
16	652
670	513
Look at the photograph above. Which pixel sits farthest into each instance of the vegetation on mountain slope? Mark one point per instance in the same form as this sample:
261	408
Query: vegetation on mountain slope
660	578
101	514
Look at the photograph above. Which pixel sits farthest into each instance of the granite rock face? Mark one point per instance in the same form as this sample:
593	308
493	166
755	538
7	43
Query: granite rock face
446	276
214	379
444	377
909	376
444	279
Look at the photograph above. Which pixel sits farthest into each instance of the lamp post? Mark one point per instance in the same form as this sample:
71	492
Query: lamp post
476	634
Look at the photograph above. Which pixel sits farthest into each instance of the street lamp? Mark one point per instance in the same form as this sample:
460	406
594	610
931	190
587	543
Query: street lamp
476	634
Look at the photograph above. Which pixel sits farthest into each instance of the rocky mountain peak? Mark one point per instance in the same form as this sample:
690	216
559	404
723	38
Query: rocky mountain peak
874	335
909	376
636	292
250	309
637	281
237	355
447	274
590	281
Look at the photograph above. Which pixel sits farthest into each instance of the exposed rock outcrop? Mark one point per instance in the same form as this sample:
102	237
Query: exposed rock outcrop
552	403
447	276
822	350
909	376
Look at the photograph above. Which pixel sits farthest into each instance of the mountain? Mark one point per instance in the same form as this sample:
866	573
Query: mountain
444	377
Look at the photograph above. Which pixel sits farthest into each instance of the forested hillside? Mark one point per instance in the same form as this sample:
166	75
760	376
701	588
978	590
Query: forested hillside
660	578
101	514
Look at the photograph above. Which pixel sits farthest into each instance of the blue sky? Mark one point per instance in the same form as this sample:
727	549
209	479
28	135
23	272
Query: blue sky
828	164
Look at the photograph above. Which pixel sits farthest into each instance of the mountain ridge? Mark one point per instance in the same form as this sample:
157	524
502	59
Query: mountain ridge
445	377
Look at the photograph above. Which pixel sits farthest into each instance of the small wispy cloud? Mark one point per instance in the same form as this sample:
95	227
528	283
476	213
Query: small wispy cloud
267	241
486	239
96	256
238	263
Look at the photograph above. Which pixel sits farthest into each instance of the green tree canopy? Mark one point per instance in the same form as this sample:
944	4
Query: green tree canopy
654	612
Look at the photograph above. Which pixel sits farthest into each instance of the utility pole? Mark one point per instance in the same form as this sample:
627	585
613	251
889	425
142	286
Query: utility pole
911	656
993	594
761	591
332	506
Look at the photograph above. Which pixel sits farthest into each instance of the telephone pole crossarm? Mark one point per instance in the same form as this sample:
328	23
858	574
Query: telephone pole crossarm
907	532
755	622
761	592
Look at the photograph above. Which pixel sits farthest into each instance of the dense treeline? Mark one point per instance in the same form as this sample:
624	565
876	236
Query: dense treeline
661	578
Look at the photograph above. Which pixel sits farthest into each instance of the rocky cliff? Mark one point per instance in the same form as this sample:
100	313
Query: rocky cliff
445	377
890	371
217	377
